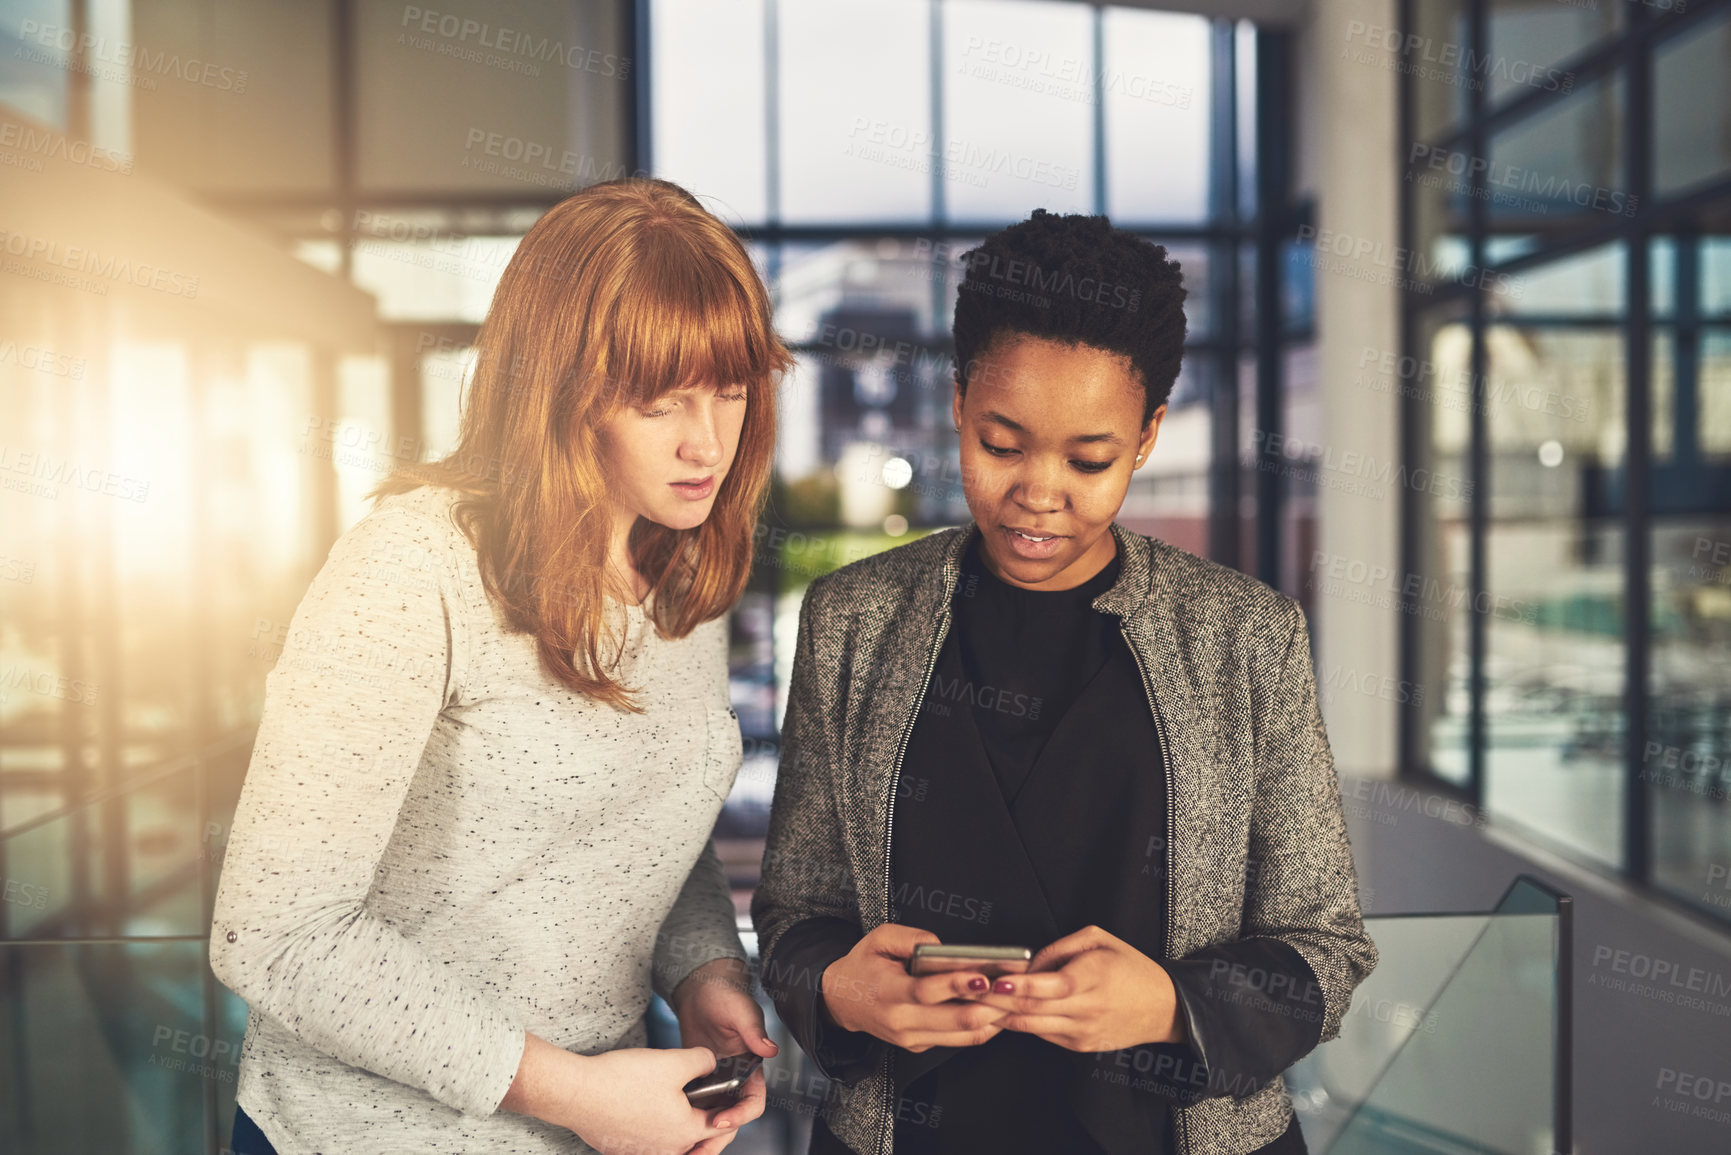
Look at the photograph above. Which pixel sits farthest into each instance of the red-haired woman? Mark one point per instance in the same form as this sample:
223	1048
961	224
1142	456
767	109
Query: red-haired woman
474	834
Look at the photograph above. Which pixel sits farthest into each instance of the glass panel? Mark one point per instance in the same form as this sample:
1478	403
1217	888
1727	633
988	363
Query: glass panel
1157	84
1246	290
1564	160
1529	37
472	96
1417	954
1195	262
1018	111
134	616
1298	290
1453	1051
1438	86
1715	394
1554	608
1589	283
123	1026
1662	384
1244	50
1662	276
1686	760
706	102
150	410
1302	414
364	408
445	277
907	277
1168	497
856	114
41	723
443	373
1440	200
1716	276
1439	382
229	102
33	75
1295	475
1692	106
865	440
131	862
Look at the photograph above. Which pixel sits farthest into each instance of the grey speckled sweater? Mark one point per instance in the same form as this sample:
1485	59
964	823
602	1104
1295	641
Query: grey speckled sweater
438	847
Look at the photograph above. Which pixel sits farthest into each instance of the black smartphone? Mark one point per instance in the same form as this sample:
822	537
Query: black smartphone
931	958
721	1087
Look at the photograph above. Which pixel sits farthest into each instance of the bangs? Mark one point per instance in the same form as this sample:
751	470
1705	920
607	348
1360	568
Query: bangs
684	316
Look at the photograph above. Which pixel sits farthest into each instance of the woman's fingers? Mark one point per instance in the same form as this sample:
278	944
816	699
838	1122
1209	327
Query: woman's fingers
933	989
759	1043
713	1145
696	1061
1023	988
1059	952
1053	1028
752	1099
898	941
915	1020
925	1040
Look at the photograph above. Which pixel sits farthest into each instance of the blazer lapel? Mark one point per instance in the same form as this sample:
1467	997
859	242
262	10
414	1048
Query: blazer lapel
884	694
1198	814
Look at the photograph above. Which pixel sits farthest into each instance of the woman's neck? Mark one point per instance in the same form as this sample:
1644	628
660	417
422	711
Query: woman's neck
623	580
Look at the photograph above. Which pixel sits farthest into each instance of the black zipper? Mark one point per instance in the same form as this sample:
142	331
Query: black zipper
1180	1126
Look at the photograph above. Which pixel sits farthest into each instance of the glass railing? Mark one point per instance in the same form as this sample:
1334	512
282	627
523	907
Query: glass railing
127	1048
114	1034
137	860
125	1043
132	1047
1458	1041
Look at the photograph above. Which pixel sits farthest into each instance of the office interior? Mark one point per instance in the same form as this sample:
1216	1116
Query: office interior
1457	378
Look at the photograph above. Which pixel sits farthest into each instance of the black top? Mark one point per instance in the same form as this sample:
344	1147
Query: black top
1028	654
1033	789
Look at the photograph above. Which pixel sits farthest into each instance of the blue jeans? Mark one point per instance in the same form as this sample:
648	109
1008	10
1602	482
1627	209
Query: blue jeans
248	1139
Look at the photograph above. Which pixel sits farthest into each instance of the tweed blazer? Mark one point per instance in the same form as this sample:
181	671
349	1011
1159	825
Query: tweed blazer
1256	843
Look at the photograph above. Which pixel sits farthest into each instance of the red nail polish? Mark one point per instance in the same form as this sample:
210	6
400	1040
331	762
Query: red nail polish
1004	987
976	984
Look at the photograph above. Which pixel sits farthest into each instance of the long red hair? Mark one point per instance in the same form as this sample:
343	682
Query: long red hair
620	293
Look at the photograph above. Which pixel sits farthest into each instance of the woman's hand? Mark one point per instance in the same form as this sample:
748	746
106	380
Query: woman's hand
1091	991
869	989
715	1009
625	1102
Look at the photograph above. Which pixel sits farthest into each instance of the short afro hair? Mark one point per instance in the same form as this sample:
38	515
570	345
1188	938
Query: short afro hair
1075	279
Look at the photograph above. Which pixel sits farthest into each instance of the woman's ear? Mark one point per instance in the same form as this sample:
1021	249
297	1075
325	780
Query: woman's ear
956	403
1145	444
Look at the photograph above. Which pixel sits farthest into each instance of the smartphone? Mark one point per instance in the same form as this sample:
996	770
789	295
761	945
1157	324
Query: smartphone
721	1087
932	958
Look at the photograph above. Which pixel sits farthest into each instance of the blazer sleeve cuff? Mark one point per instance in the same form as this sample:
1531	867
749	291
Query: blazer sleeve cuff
793	976
1251	1009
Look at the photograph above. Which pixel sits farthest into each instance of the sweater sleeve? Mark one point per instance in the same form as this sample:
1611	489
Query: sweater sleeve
373	654
700	928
